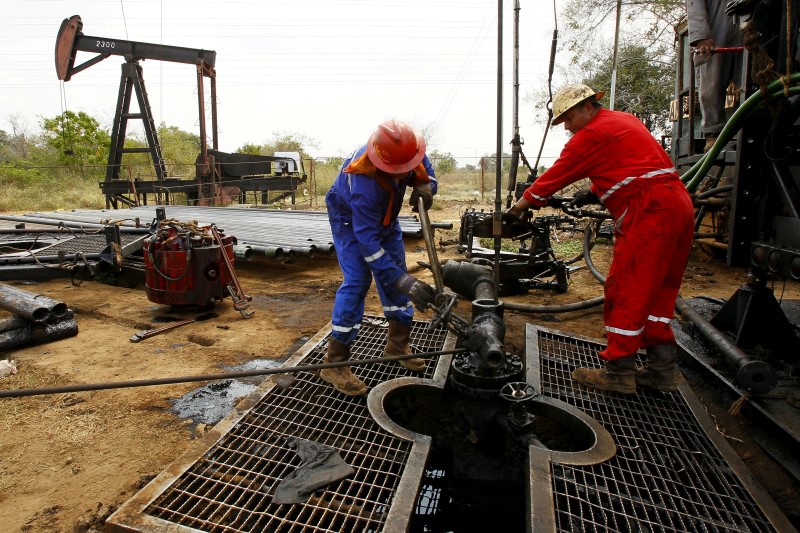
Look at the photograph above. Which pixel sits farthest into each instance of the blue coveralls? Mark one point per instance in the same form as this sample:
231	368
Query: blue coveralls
357	206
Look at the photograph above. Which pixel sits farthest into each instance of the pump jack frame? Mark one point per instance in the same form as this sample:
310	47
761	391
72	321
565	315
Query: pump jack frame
212	184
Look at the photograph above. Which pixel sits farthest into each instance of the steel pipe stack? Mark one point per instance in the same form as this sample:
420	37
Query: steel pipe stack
277	234
37	319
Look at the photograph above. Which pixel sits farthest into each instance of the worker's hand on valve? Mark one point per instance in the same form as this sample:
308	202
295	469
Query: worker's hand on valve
704	46
424	191
701	53
585	197
510	217
556	201
421	294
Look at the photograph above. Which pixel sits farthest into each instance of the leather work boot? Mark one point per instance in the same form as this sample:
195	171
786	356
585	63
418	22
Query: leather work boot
619	375
710	140
341	377
659	372
397	343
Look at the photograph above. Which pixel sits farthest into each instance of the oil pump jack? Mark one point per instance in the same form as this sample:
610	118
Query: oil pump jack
219	177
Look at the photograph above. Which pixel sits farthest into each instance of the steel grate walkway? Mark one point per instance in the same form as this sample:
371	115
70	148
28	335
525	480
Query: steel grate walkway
667	475
229	488
672	470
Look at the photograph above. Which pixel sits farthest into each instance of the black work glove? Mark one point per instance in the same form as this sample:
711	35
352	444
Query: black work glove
424	191
556	201
421	294
510	218
585	197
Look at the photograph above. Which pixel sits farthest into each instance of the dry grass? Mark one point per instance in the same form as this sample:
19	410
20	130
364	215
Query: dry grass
51	196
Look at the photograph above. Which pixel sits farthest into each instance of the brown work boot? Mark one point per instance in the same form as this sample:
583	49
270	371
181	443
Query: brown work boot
710	140
397	343
619	375
659	372
341	377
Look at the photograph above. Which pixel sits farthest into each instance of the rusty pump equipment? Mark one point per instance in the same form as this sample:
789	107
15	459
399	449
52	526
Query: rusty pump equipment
218	174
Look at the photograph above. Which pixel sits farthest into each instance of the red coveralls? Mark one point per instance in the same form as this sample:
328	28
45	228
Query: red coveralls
653	224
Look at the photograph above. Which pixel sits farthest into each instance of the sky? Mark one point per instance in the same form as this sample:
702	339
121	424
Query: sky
329	71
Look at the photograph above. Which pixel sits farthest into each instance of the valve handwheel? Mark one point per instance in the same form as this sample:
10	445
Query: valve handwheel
517	391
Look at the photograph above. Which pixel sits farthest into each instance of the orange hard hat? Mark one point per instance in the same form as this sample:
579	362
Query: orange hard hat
395	147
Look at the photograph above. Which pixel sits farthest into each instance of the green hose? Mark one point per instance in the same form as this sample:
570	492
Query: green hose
695	175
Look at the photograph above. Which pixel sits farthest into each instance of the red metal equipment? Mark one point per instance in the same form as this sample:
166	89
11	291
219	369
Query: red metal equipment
187	265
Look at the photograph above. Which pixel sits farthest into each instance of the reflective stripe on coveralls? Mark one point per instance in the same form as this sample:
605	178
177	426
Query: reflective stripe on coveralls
622	183
626	181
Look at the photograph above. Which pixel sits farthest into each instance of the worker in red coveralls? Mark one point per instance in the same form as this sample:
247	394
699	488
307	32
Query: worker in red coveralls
633	177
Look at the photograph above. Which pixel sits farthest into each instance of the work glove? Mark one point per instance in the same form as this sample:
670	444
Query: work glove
421	294
510	218
585	197
556	201
424	191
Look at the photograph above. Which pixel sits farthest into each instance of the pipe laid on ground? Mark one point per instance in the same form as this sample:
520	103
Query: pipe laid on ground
215	377
24	307
56	307
15	322
36	333
755	376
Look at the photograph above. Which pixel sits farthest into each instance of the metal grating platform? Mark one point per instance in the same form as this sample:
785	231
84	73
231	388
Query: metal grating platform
229	487
668	469
672	471
47	244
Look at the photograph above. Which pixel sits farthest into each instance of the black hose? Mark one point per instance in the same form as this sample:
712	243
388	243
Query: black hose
563	308
713	192
711	299
587	237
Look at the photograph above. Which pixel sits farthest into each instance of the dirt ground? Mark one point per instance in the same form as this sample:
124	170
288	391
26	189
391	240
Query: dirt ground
68	461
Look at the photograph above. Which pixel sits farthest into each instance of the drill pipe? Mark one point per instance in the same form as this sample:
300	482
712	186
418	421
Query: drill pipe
33	334
24	307
254	227
244	253
48	221
15	322
755	376
215	377
55	307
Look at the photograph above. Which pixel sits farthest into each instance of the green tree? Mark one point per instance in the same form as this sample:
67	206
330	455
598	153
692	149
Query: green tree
649	23
334	163
250	148
443	163
645	82
281	142
179	149
646	58
79	140
490	162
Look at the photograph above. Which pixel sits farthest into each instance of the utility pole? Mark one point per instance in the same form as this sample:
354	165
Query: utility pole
616	50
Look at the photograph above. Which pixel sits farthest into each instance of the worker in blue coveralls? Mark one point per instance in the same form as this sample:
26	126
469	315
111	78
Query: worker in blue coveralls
363	205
